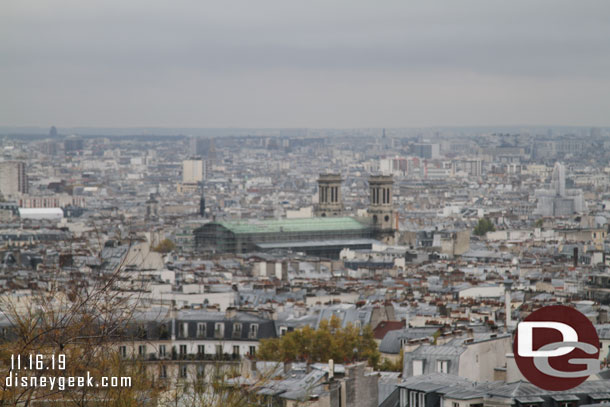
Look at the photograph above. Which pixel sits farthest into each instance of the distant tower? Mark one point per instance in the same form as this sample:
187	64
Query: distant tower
330	202
53	132
212	150
152	207
202	204
381	209
13	178
558	180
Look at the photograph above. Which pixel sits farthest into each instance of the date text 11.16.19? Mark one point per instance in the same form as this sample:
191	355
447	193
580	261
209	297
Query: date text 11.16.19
38	362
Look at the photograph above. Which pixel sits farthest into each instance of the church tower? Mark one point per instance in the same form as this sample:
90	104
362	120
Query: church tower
381	209
330	202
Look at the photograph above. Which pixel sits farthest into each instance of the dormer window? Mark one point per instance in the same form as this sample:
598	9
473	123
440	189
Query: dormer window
163	332
142	332
201	330
418	367
253	334
219	330
442	366
183	329
237	330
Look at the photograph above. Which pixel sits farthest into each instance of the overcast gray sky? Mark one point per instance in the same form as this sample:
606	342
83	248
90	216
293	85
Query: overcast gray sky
307	63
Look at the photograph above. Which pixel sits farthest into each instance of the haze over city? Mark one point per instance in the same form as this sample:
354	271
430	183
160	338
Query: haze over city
272	63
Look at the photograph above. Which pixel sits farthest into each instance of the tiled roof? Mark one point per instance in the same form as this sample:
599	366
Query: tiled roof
385	326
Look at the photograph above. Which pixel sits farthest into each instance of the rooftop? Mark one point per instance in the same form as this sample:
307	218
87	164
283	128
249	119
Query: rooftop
293	225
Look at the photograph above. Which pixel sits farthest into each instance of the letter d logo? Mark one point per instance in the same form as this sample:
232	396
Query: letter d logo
526	338
556	348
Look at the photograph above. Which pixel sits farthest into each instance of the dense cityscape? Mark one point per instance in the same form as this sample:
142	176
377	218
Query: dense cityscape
416	252
321	203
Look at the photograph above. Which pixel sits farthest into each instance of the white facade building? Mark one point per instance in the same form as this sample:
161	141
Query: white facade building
13	179
193	171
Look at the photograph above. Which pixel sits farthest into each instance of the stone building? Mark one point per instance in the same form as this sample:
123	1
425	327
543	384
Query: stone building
325	235
330	202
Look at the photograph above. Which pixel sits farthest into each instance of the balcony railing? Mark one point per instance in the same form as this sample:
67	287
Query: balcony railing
196	356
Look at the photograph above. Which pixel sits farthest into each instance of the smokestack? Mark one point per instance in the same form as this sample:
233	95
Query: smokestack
331	369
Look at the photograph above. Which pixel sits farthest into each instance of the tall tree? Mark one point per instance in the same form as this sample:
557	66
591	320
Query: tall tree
84	323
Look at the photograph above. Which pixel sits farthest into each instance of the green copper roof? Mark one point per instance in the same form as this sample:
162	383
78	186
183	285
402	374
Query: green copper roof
293	225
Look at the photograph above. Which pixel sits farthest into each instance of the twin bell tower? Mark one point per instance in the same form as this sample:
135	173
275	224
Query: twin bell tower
380	212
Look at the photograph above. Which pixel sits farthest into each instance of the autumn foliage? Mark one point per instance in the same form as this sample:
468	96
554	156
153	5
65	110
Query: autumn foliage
329	341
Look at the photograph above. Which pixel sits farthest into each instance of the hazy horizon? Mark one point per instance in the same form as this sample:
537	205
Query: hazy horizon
43	132
318	65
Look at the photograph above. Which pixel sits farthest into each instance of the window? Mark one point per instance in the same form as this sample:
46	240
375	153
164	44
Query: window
200	371
404	394
123	351
218	350
253	331
235	350
183	371
421	399
442	366
163	371
412	399
418	367
219	330
201	349
252	350
454	404
183	329
142	350
163	332
201	328
182	350
283	330
161	351
142	332
237	330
